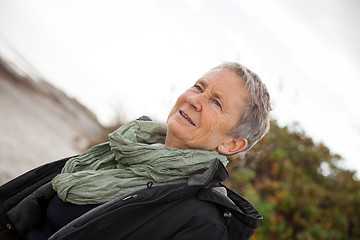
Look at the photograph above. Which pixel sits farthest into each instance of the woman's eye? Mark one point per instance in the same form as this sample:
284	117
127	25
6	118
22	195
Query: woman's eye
198	88
217	103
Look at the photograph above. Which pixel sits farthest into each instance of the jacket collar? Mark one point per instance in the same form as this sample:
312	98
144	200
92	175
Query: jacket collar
214	174
215	192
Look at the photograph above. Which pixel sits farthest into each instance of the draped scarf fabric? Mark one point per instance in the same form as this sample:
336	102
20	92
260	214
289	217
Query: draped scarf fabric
126	163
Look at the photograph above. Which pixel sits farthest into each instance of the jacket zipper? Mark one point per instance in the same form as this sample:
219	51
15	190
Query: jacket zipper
130	196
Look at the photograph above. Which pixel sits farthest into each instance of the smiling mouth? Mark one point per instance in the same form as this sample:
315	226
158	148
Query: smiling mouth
187	118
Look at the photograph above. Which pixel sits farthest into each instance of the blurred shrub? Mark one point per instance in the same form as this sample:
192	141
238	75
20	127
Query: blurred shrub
297	187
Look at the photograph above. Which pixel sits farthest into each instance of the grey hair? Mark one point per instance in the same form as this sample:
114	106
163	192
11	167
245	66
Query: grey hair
255	118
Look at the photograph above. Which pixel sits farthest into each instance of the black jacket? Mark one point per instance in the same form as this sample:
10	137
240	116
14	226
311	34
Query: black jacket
199	208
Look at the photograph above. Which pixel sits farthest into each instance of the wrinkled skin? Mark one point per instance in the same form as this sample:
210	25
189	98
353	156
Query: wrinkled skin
204	114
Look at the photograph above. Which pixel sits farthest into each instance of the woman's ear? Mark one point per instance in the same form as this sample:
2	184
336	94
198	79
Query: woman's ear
232	146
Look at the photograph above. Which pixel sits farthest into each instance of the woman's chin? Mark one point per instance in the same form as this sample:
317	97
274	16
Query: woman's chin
178	131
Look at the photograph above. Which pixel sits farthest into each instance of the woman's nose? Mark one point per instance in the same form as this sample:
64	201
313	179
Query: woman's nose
196	101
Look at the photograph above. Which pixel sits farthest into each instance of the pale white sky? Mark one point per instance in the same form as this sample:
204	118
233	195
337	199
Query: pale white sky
135	57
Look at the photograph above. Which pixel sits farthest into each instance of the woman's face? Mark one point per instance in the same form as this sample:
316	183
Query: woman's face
204	114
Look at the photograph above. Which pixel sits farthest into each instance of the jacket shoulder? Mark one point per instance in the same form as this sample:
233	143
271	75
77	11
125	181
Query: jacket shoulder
15	198
29	181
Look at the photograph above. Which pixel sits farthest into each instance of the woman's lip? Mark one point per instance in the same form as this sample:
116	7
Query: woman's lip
184	115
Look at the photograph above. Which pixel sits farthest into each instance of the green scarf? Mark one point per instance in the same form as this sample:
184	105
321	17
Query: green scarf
126	163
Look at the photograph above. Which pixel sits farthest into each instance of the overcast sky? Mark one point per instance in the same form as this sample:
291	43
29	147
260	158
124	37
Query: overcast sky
134	57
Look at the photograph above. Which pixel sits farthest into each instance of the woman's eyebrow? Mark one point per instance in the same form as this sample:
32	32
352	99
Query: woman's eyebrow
218	96
202	82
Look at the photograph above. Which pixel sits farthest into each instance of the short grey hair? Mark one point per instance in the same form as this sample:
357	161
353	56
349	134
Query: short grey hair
255	118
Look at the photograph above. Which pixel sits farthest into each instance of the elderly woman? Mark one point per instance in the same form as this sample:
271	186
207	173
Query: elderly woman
151	181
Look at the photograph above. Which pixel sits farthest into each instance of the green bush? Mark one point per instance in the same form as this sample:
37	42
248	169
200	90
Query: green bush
282	176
